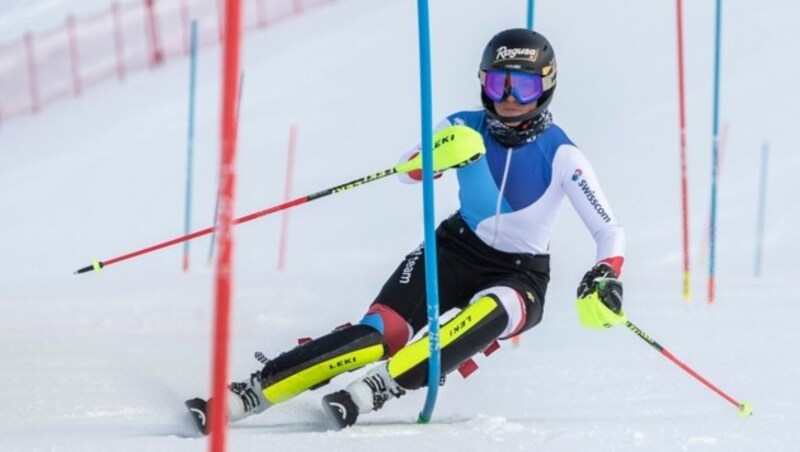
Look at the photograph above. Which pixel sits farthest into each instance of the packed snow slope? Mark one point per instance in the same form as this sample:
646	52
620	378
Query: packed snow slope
104	361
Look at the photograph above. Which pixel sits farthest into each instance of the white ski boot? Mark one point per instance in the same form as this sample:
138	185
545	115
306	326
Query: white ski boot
366	394
244	399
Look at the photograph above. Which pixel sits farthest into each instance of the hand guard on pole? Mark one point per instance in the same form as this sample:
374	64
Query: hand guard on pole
600	298
415	175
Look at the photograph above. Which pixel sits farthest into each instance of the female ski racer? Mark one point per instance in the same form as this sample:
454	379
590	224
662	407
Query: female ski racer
493	260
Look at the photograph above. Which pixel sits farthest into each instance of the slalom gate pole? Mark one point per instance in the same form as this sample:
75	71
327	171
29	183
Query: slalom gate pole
190	143
431	273
454	146
517	340
287	193
744	407
712	251
705	236
687	285
227	195
212	239
762	207
531	6
216	202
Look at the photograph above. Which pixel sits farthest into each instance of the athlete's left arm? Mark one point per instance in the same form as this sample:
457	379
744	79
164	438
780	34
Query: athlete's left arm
580	183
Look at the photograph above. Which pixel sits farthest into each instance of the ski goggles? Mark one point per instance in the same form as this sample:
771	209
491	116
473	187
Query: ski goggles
499	84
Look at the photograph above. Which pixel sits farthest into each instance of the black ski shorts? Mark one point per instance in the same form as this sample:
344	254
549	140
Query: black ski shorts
466	265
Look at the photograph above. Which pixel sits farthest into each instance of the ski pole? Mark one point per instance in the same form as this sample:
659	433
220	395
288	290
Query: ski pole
744	407
454	146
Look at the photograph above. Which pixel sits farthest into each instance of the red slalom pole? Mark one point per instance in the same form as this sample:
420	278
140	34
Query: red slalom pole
744	407
227	194
687	287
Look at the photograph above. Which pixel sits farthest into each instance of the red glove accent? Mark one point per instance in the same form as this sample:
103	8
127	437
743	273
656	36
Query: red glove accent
615	263
417	174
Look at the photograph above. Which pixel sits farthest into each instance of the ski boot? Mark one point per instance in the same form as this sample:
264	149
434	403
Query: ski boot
367	394
244	399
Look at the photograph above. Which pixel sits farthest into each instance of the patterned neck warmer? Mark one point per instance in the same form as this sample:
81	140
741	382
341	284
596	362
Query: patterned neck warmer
525	132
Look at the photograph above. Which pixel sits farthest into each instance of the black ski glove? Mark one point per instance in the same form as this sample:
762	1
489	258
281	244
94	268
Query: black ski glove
603	279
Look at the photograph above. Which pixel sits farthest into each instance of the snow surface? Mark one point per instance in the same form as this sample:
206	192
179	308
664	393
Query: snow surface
104	362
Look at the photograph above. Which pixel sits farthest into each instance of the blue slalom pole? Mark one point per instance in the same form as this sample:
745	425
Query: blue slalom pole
530	14
216	204
516	340
762	205
431	274
714	162
213	237
190	145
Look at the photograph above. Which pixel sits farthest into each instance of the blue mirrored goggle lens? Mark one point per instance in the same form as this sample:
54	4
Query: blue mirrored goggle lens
526	88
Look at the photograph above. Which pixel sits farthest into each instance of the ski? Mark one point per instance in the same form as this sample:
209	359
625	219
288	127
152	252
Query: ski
197	408
340	409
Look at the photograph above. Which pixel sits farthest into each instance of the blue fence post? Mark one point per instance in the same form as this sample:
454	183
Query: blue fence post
431	274
190	145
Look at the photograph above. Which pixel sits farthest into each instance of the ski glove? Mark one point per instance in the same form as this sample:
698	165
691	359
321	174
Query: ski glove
600	298
416	175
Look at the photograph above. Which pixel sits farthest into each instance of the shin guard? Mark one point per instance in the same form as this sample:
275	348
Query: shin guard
314	363
469	332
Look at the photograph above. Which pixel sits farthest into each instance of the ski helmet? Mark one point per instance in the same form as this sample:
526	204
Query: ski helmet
521	50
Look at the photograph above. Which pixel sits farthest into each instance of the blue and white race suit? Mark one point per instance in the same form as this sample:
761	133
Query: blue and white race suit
497	243
511	197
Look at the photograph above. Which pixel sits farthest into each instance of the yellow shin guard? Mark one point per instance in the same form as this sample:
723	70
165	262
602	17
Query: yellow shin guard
313	364
466	334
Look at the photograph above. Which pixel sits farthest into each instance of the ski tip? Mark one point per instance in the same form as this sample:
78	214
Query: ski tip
198	410
340	410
